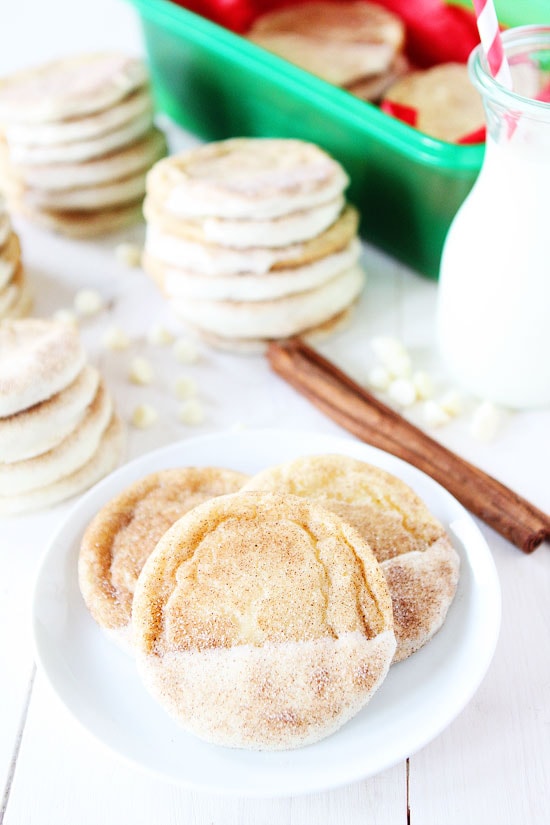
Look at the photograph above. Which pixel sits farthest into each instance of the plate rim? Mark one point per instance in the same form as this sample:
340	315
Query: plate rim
484	561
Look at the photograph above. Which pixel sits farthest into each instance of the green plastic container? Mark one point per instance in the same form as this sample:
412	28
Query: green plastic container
406	185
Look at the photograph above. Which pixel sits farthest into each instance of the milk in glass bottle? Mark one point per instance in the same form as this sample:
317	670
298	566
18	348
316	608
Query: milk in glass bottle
493	315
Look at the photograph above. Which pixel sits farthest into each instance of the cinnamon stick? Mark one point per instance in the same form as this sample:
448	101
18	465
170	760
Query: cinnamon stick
360	412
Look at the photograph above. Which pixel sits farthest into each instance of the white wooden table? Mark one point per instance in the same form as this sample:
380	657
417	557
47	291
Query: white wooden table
490	767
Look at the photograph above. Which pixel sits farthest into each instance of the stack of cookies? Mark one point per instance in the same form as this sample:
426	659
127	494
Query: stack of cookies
59	433
356	45
15	296
252	240
78	138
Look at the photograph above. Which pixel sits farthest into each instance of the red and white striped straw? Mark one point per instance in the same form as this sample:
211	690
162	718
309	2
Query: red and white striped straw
491	42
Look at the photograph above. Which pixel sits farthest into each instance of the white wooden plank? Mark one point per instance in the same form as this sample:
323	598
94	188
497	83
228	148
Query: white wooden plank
75	779
491	765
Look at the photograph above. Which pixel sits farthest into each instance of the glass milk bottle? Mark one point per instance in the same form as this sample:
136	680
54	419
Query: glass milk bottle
493	315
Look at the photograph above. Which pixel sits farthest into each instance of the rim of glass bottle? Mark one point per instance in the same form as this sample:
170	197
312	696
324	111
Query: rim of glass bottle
512	39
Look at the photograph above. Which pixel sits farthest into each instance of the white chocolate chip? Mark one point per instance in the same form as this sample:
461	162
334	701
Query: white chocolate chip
141	371
115	338
191	412
185	351
379	378
434	415
402	392
393	355
88	302
159	335
143	416
128	254
452	402
423	385
65	316
485	421
185	387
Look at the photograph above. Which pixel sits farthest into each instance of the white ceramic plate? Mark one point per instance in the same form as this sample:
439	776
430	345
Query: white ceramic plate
99	684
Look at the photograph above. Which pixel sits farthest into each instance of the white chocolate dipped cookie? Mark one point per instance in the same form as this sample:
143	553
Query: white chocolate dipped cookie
278	318
252	240
213	259
241	233
38	429
127	161
108	454
84	223
69	87
262	621
59	432
179	283
101	196
415	553
249	178
123	534
74	130
82	150
78	137
75	450
258	346
38	358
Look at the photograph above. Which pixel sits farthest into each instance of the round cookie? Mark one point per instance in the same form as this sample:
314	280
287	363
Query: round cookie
65	458
54	177
86	224
84	150
104	460
262	621
44	425
258	346
182	283
249	178
103	196
211	259
124	533
338	41
447	105
278	318
416	555
243	234
81	128
38	358
69	87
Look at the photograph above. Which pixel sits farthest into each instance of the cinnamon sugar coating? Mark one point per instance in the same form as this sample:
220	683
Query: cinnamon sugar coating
122	535
262	621
416	555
